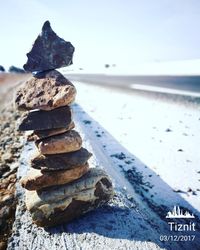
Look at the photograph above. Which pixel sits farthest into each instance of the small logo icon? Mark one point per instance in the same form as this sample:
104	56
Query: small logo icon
178	213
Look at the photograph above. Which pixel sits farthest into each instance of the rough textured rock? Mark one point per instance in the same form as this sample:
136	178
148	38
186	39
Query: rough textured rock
43	120
46	91
49	51
61	161
64	143
11	143
61	204
41	134
36	180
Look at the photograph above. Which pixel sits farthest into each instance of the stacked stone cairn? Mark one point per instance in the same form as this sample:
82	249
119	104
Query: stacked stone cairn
60	185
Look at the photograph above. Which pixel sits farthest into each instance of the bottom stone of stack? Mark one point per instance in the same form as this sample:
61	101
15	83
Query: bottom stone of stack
61	204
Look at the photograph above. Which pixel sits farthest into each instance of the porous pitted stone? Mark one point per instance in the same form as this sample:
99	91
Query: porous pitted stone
46	91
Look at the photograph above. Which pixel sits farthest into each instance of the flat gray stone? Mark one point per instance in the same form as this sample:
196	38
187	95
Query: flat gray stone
49	51
60	161
42	134
42	120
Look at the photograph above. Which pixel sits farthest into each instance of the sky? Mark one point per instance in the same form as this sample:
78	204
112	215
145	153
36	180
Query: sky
121	32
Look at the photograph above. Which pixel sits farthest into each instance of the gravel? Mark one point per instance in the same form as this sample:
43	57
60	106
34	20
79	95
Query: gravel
11	143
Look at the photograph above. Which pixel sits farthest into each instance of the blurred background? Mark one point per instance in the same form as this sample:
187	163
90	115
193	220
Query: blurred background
122	37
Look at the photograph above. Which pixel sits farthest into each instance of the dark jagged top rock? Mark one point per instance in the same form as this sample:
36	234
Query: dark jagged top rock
49	51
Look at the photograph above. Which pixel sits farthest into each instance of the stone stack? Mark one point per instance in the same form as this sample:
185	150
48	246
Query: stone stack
60	184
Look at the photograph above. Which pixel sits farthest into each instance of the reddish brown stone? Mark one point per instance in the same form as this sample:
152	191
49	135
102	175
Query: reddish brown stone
46	91
64	143
36	179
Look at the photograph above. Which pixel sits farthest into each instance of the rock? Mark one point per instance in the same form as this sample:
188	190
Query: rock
43	120
7	157
61	204
168	130
2	69
61	161
11	171
41	134
5	212
36	180
7	198
4	168
64	143
17	70
3	245
49	51
45	91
